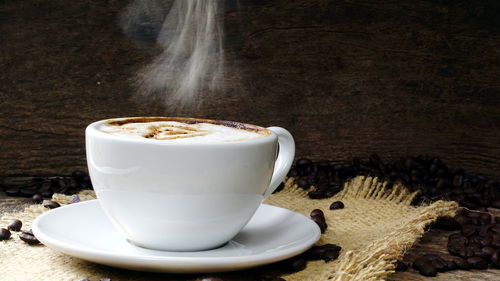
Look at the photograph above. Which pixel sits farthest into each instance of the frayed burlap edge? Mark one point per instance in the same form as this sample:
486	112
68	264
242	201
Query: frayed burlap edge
373	261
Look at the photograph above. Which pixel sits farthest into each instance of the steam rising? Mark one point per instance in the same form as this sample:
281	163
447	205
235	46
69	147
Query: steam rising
192	59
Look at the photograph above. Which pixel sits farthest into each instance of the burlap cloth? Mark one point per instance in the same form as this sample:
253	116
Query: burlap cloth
376	227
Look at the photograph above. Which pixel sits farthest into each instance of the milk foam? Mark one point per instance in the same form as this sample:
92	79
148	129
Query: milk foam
181	132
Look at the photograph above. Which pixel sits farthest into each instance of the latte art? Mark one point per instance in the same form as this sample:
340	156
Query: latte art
189	131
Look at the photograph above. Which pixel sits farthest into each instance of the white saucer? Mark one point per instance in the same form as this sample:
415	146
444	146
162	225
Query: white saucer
82	230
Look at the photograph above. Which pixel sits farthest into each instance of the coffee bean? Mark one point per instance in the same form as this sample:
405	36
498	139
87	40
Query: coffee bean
84	279
15	225
331	255
450	264
468	230
12	191
104	279
495	236
474	239
330	193
495	259
322	226
29	239
488	252
51	204
485	241
457	237
477	263
428	270
334	187
460	263
400	266
317	213
484	231
37	198
316	194
439	265
332	247
4	234
78	175
419	262
303	166
495	243
303	183
472	249
337	205
495	229
315	253
456	249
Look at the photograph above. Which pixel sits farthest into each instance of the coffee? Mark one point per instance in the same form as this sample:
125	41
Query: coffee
183	129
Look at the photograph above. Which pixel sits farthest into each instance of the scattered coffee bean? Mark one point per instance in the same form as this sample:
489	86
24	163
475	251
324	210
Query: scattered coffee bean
468	230
316	194
51	204
400	266
4	234
428	270
37	198
303	183
321	223
477	263
327	252
317	213
337	205
15	225
29	239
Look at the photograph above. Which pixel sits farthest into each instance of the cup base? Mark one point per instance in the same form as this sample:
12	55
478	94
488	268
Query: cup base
140	245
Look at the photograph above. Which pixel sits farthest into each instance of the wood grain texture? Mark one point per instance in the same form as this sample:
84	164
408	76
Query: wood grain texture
347	78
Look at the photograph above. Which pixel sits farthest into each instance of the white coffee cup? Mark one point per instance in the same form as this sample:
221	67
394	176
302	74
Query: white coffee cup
178	196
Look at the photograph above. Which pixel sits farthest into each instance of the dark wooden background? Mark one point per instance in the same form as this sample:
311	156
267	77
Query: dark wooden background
347	78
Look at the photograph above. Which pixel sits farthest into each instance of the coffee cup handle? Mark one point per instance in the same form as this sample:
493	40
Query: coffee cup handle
284	160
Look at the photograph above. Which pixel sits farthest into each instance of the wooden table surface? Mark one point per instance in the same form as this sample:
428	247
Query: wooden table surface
433	241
